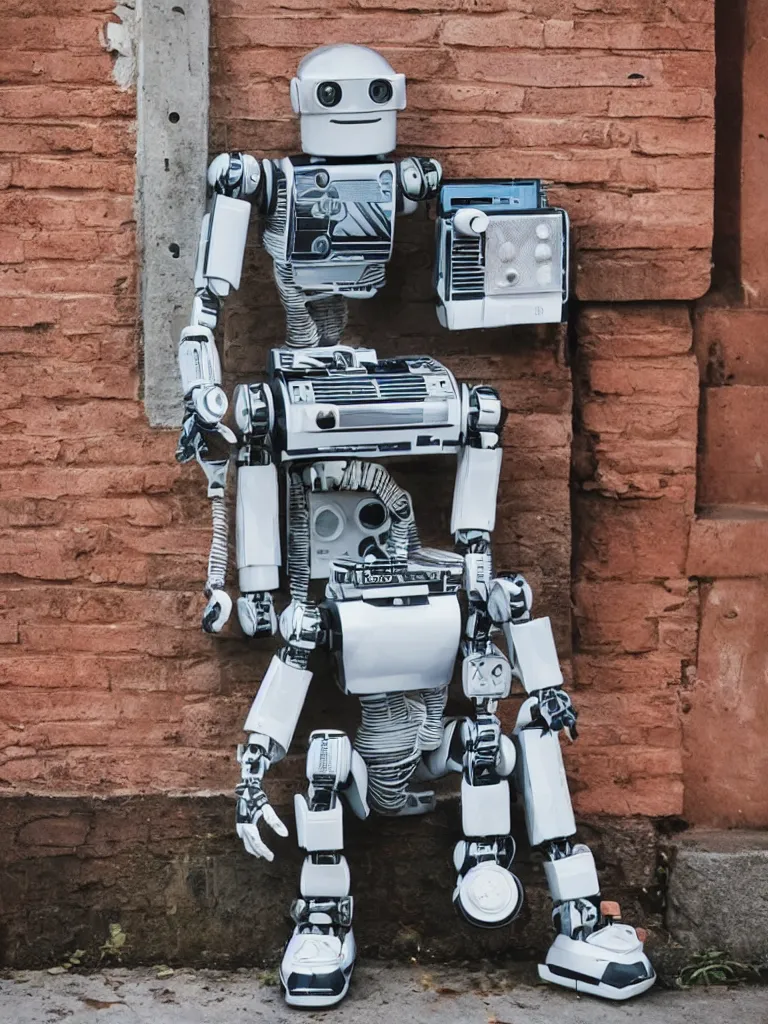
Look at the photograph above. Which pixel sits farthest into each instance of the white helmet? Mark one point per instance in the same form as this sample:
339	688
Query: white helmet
347	97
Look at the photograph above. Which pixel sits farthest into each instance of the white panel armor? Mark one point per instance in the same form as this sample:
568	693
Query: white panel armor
398	647
474	495
258	528
322	430
277	706
227	232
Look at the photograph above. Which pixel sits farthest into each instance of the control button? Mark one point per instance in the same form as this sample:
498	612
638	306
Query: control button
511	275
544	273
543	252
507	252
543	231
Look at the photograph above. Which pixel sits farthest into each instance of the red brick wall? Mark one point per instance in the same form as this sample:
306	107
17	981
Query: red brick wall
106	684
635	611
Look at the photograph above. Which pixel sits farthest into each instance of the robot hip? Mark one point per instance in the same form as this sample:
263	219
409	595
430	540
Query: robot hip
383	647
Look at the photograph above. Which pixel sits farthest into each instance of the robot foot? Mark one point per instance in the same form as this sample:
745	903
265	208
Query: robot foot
318	961
609	962
487	894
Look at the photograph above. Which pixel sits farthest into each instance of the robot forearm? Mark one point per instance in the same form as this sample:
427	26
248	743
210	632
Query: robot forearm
534	658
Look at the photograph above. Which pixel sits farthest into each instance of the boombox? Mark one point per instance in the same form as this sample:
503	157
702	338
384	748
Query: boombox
342	401
502	255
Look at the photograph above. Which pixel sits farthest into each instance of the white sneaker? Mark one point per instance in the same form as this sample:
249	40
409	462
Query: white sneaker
609	963
317	966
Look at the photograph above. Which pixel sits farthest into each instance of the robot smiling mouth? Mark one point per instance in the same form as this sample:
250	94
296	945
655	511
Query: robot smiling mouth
373	120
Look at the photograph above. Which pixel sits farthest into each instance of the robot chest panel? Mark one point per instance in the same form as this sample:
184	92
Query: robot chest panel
341	214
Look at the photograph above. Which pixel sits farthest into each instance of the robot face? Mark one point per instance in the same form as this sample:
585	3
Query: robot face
347	98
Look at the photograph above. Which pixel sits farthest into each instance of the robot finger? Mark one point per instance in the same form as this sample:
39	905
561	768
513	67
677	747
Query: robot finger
274	822
253	843
190	441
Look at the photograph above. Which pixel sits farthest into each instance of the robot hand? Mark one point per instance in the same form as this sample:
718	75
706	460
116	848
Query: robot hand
256	613
557	711
204	409
217	611
196	435
509	599
253	803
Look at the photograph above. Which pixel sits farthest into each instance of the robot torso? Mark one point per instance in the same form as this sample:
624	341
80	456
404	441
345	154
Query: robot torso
333	222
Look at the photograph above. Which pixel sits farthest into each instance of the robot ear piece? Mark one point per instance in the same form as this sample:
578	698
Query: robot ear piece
295	96
398	86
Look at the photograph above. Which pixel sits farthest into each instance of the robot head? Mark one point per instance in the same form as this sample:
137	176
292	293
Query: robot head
347	98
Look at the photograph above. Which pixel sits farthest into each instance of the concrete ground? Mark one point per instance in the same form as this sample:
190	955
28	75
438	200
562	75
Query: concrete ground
380	994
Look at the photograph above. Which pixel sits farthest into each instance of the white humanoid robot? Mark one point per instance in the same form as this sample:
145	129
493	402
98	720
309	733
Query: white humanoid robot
325	420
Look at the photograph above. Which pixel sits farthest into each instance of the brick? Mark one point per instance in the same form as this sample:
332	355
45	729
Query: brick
732	345
643	220
671	379
656	100
518	133
67	830
100	481
46	33
458	96
629	718
371	30
686	70
652	274
25	102
734	462
105	278
721	789
632	539
622	618
496	31
59	66
9	628
37	172
729	541
692	136
626	780
116	138
613	332
88	417
611	34
54	671
690	173
655	671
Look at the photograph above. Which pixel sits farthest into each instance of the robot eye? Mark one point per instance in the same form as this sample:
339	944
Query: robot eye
380	91
329	94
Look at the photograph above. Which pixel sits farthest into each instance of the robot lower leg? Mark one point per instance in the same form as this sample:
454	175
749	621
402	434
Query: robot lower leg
487	893
591	952
318	961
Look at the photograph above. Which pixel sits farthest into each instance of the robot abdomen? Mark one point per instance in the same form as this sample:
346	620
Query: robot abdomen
389	648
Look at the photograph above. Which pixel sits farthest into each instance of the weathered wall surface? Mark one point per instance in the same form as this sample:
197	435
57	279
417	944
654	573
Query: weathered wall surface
724	731
636	398
107	686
